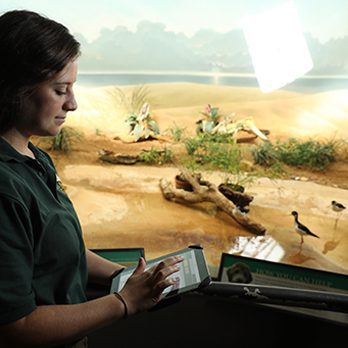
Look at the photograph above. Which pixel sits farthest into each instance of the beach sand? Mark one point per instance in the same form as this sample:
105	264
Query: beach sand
122	205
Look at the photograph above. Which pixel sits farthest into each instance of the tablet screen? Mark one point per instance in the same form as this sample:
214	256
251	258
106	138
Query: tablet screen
193	272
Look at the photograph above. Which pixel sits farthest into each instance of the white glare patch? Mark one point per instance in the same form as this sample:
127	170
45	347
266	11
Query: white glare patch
277	46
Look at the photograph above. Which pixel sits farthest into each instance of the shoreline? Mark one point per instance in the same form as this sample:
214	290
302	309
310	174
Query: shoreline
123	205
198	73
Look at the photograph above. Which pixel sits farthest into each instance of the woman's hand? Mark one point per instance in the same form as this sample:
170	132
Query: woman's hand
144	289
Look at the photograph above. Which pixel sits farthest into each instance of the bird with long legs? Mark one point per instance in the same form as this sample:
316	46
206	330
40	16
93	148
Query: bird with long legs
338	208
301	229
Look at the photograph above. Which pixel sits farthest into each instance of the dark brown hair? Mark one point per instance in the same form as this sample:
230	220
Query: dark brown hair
33	49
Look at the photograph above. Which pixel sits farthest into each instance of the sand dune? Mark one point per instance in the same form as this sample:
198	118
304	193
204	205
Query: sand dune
284	113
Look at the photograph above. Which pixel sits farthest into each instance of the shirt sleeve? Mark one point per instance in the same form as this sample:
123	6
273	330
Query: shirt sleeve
17	298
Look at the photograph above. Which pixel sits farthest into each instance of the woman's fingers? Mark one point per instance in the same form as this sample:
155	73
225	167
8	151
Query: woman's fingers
167	266
164	269
145	288
160	287
140	266
161	273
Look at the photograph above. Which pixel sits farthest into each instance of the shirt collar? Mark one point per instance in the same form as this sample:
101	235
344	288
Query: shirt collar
8	153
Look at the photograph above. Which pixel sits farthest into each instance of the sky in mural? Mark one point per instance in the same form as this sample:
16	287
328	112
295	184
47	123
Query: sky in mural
189	35
322	18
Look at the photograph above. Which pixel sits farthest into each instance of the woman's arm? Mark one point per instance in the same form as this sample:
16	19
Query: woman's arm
100	269
59	324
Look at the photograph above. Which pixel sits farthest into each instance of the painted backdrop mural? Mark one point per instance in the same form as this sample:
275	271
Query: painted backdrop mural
174	143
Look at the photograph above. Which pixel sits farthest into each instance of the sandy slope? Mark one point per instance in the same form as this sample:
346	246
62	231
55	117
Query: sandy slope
123	206
285	113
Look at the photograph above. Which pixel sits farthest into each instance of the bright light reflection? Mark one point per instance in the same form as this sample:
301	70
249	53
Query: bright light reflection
261	247
277	46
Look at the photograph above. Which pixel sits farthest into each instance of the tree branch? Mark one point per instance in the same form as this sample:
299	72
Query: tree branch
208	192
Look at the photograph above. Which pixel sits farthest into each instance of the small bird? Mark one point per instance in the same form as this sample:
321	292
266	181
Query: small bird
337	207
301	229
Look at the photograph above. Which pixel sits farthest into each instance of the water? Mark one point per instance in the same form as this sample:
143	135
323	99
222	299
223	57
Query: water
304	85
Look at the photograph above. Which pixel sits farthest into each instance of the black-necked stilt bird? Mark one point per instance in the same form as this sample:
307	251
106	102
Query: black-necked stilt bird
337	207
301	229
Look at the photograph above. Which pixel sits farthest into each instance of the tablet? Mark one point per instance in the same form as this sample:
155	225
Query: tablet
193	273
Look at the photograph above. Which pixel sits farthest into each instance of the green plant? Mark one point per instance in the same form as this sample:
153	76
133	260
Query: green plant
214	153
216	123
167	155
141	125
221	156
63	140
191	145
212	118
201	141
177	132
311	154
218	152
190	163
155	156
265	154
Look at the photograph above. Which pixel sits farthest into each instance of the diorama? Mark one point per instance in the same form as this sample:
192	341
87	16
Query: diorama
177	140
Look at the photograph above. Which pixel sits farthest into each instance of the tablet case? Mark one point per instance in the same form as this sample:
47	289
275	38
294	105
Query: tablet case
205	282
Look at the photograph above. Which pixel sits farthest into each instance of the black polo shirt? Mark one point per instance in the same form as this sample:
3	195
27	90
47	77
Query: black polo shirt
42	254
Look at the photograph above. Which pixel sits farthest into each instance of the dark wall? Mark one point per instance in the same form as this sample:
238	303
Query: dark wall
200	320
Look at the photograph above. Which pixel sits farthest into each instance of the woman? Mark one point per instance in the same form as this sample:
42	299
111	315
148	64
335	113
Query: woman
44	264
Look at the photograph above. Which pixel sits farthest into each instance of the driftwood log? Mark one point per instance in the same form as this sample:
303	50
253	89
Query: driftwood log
239	199
111	157
208	193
